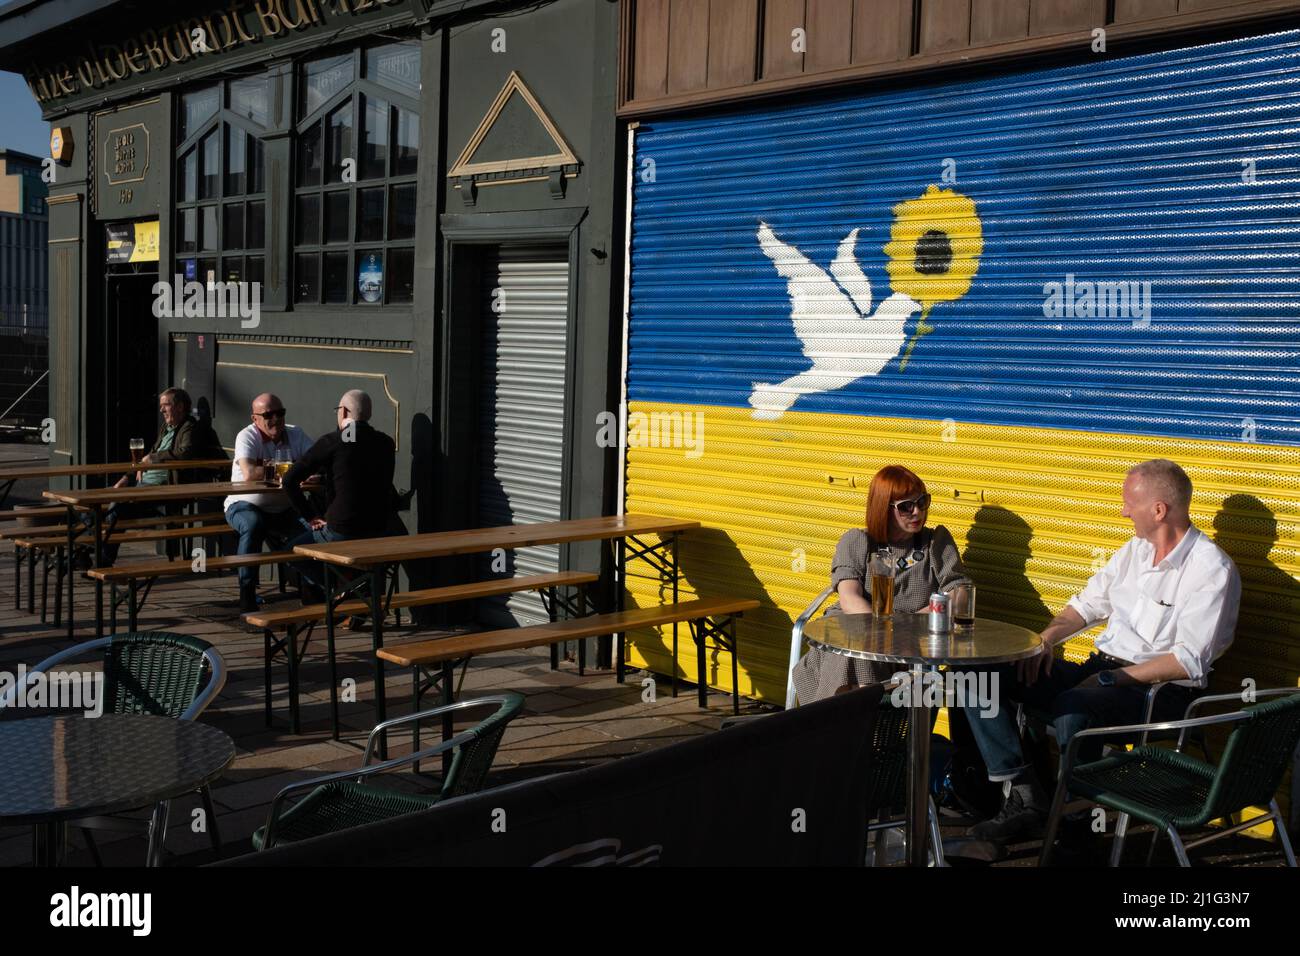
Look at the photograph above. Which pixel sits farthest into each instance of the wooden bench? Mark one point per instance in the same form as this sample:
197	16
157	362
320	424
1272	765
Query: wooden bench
708	617
36	511
295	621
39	538
150	571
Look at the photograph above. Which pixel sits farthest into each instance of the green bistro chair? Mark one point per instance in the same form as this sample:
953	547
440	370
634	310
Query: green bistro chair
148	672
1174	791
340	801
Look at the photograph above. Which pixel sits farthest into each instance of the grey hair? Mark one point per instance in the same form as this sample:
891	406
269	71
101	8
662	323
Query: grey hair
1166	481
357	403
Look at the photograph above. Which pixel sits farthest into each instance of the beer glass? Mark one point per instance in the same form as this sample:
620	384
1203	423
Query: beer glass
881	569
962	606
137	450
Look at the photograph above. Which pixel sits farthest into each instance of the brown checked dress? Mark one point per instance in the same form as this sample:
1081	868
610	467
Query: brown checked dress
928	563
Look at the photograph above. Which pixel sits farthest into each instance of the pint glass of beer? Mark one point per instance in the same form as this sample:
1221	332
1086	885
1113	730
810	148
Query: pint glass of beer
137	450
881	570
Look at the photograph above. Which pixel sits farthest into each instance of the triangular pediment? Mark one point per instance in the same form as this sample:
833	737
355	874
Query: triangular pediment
515	136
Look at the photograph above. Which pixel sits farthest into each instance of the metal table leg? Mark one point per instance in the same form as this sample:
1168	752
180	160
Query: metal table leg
67	558
329	644
98	513
51	843
918	791
377	644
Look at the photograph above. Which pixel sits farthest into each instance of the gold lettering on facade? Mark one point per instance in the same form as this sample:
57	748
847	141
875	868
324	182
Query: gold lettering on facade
284	17
237	16
175	34
110	51
152	47
265	10
131	52
85	73
64	78
363	5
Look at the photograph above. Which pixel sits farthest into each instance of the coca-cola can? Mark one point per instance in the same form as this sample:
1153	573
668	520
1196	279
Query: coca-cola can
939	618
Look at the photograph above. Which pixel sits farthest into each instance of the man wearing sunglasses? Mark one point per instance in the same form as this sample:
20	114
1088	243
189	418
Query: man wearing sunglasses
262	518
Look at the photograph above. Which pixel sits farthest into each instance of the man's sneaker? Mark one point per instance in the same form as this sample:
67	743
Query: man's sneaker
248	600
1015	821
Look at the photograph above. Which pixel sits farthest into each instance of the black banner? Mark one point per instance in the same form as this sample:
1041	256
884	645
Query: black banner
785	789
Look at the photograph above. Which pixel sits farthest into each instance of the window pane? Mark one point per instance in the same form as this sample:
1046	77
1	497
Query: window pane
256	163
309	156
401	275
306	273
406	143
233	267
236	178
207	268
256	225
321	79
189	268
232	237
209	165
336	277
374	149
250	99
186	230
396	66
370	275
255	270
207	227
336	216
308	220
189	177
338	136
197	108
401	212
370	214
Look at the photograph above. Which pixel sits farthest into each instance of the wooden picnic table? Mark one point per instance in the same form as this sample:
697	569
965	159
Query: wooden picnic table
95	500
372	556
8	476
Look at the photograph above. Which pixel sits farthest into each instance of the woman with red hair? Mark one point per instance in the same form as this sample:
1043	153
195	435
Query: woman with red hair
925	560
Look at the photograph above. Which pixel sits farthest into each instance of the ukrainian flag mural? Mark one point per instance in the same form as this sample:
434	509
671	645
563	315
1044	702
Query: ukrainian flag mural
1017	286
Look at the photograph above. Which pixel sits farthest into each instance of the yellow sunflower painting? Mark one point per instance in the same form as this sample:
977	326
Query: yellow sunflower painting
934	248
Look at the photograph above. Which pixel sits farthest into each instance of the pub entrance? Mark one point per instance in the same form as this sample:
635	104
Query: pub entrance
127	344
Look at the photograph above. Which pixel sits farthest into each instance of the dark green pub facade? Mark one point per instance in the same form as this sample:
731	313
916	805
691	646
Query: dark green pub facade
427	195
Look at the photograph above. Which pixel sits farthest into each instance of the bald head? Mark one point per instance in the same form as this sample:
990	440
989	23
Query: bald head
268	416
357	404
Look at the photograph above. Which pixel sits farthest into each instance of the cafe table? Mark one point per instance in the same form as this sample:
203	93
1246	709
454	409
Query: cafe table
97	500
10	475
905	639
369	558
62	768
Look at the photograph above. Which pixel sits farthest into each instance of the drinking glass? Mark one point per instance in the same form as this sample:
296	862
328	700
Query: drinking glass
881	569
962	606
137	450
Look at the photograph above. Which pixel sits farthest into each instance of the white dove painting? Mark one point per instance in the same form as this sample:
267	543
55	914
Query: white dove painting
932	256
832	317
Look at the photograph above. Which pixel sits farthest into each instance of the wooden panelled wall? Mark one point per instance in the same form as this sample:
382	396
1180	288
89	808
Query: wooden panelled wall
682	53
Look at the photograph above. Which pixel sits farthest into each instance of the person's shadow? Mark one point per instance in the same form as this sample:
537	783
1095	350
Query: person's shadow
997	550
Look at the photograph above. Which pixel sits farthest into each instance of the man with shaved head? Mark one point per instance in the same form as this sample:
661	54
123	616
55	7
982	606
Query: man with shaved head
1169	599
262	518
357	462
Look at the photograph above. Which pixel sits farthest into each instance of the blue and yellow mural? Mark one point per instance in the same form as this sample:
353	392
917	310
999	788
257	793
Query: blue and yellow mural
1018	286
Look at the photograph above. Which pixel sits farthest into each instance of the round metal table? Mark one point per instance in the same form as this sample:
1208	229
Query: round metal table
905	639
59	768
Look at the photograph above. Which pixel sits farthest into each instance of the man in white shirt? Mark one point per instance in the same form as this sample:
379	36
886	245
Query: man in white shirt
259	518
1170	599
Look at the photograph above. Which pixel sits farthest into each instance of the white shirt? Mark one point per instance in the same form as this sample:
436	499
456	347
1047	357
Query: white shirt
251	443
1186	605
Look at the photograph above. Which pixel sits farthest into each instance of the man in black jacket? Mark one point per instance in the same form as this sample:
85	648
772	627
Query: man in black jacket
357	464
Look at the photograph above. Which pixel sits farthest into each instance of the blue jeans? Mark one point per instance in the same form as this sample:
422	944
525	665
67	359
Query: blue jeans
312	571
257	527
1071	708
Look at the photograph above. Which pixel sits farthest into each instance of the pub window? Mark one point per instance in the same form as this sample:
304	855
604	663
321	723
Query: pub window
358	148
220	181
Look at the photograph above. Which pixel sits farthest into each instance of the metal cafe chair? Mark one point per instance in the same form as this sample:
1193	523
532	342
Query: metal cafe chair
887	788
148	672
1174	791
340	801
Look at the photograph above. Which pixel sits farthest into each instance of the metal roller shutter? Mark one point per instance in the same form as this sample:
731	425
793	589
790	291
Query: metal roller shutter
862	279
521	465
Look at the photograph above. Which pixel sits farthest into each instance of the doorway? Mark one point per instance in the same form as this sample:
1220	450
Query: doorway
128	368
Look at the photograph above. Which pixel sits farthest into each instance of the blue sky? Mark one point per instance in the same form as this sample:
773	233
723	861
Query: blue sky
21	126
